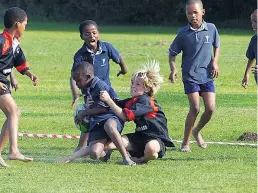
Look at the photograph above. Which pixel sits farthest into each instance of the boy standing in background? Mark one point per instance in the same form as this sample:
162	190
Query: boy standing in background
199	67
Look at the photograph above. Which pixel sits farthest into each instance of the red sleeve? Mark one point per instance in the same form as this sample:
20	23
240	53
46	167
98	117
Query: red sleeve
20	61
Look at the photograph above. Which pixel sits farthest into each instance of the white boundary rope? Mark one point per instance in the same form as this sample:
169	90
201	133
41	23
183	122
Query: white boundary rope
224	143
54	136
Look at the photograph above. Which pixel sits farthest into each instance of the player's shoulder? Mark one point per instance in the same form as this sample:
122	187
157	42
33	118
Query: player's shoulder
254	37
2	38
100	84
210	25
183	29
144	99
106	45
80	51
2	41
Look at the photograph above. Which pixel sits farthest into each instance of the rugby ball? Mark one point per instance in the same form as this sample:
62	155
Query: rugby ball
84	125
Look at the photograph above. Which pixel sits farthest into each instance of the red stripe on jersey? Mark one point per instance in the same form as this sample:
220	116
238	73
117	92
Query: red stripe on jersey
129	114
7	43
130	102
155	109
22	67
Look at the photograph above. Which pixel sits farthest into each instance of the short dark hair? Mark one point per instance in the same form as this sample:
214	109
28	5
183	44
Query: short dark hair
13	15
87	23
85	68
189	2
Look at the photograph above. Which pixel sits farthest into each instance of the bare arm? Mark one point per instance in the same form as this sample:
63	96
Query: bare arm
215	66
32	76
122	66
247	73
88	112
14	81
173	71
104	96
74	90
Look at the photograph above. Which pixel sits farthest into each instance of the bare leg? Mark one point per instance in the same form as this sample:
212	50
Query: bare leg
97	149
8	106
82	141
209	103
151	151
3	140
111	129
80	153
111	146
194	102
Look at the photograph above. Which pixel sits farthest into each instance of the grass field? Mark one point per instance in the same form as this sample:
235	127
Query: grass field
49	48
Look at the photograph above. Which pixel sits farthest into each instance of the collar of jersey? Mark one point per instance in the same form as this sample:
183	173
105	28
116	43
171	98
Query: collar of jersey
8	36
201	28
101	47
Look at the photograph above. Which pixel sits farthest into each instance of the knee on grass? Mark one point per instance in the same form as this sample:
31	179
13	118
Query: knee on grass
95	154
151	150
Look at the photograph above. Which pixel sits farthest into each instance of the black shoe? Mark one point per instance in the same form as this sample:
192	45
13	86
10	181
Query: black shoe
107	156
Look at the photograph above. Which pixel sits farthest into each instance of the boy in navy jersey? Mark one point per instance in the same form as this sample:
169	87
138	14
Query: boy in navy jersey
104	124
11	55
251	52
199	66
99	54
150	138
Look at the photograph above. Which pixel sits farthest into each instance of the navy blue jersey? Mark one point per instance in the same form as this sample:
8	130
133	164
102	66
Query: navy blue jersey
251	52
91	98
196	46
100	59
11	55
148	117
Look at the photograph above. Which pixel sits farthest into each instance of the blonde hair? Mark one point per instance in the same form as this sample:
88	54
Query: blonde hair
150	76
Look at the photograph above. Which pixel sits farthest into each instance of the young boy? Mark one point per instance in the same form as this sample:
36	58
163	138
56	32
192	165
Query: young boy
251	52
104	125
99	54
199	68
150	138
11	55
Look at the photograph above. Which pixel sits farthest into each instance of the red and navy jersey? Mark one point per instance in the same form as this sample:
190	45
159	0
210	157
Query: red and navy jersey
11	55
148	117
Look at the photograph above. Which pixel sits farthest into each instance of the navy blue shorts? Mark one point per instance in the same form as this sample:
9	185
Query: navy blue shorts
98	132
191	87
138	143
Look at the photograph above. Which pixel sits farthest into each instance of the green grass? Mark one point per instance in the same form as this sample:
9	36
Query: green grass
49	48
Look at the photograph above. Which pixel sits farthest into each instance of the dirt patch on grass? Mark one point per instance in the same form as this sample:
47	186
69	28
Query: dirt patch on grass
161	43
248	136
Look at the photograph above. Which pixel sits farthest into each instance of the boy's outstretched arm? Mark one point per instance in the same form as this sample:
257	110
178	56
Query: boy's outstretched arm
104	96
88	112
247	73
215	66
14	82
32	76
74	91
173	71
122	66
